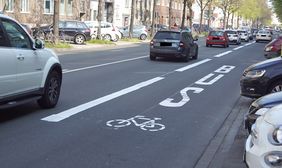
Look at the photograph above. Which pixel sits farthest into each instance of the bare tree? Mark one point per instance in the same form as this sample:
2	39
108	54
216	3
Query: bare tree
133	6
100	17
190	16
202	4
154	18
56	18
170	14
183	14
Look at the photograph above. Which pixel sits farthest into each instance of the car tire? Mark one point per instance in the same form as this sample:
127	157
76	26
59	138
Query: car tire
52	90
152	58
207	45
143	37
79	39
116	39
196	55
275	87
107	37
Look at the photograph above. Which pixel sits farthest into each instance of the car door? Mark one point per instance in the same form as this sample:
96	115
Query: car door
8	67
29	63
192	44
70	29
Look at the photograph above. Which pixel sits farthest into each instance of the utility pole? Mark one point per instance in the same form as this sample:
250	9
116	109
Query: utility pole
56	18
132	18
100	17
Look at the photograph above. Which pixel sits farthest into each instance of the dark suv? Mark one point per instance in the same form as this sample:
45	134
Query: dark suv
177	44
75	31
262	78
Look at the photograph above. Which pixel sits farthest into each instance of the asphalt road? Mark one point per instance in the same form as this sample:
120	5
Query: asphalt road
169	111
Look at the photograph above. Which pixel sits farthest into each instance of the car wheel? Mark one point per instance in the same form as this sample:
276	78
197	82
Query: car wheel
79	39
107	37
196	55
152	58
207	45
143	37
116	39
52	89
275	87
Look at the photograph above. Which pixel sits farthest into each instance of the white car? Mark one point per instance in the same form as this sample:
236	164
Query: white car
27	70
264	145
244	35
108	30
233	36
263	35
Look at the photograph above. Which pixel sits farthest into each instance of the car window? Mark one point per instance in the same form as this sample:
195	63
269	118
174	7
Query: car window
90	25
71	25
61	24
3	41
17	36
167	35
81	25
216	33
231	32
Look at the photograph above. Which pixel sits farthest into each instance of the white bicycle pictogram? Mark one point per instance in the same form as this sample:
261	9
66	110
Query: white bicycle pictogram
148	124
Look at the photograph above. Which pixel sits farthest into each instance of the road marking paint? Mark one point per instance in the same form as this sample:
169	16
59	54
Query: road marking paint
248	44
237	48
222	54
75	110
101	65
202	81
192	65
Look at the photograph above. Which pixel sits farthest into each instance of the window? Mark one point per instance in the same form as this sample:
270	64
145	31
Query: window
24	5
49	6
62	7
69	7
71	25
17	36
10	5
127	3
3	41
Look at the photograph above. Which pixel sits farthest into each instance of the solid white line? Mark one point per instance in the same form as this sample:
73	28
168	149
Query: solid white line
110	63
237	48
248	44
75	110
192	65
222	54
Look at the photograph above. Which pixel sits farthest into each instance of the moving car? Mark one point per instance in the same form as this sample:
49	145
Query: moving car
260	106
262	78
263	35
177	44
75	31
27	70
273	49
244	35
264	145
139	31
233	36
108	30
217	38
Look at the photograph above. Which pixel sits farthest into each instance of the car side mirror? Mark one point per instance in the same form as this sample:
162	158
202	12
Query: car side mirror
38	44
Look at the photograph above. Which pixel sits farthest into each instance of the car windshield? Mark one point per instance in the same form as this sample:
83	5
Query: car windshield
167	35
263	32
216	33
231	32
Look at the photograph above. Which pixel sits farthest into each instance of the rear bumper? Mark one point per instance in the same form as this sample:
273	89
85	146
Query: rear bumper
167	53
216	42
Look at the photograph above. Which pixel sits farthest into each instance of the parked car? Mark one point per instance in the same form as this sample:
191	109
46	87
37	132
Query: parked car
27	28
260	106
158	27
263	147
218	37
273	49
139	31
263	35
75	31
244	35
27	70
108	30
262	78
233	37
177	44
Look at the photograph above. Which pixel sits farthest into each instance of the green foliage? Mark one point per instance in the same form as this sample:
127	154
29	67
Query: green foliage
131	40
58	45
277	4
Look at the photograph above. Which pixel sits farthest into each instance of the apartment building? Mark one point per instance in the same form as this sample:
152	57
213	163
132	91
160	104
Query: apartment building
40	12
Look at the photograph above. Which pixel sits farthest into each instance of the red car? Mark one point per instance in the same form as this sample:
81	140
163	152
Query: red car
217	38
273	49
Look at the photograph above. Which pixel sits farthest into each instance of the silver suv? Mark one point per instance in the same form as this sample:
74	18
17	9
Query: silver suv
27	70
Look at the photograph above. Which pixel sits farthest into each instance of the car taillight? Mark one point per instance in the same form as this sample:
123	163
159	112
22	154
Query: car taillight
181	44
208	38
87	30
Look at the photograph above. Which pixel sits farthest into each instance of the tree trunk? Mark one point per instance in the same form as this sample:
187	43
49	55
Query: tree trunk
201	20
227	20
190	14
56	18
170	14
132	18
238	17
224	19
100	17
232	20
183	14
153	19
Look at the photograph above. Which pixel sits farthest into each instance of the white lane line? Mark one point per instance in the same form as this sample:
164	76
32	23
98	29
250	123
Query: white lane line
248	44
192	65
237	48
110	63
222	54
75	110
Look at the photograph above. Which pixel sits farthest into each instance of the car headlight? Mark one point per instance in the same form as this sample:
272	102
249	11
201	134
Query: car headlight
274	159
255	73
267	49
277	135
